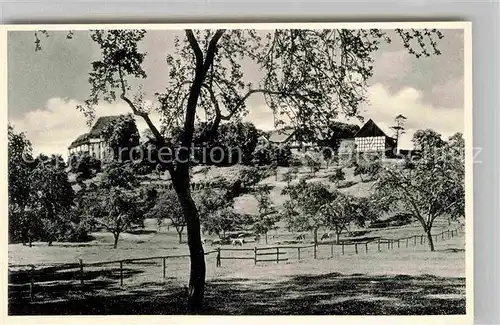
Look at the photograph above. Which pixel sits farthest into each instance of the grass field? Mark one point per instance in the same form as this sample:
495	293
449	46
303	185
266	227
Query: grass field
404	280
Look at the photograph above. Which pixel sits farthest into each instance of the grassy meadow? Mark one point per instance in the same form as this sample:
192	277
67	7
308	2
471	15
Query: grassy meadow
404	280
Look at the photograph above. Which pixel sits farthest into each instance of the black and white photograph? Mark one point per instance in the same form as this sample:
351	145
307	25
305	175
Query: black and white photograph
252	169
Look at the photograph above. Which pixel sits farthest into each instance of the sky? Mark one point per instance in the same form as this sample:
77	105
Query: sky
44	87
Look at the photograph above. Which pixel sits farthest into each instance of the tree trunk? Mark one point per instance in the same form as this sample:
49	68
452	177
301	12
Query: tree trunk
30	240
50	242
315	236
429	238
266	237
180	236
338	237
197	255
115	243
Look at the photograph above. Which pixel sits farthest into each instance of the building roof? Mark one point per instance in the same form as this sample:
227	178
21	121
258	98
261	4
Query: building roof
372	128
95	131
82	139
101	123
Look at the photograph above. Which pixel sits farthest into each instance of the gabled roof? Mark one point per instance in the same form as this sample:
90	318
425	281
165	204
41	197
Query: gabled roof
101	123
95	131
371	128
82	139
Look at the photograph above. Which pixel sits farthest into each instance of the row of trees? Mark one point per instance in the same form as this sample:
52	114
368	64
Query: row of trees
44	206
314	206
40	195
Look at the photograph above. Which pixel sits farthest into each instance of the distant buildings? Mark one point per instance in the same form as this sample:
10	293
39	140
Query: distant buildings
92	142
372	137
288	136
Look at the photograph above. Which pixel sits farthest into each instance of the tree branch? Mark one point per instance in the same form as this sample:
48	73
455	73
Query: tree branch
200	73
410	199
212	47
137	112
195	47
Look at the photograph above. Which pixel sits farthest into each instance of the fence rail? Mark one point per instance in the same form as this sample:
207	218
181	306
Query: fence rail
277	251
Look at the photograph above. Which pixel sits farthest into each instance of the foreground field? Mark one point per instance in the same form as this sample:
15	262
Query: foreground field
405	280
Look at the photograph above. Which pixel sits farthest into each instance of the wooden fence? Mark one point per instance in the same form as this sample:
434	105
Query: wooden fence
257	254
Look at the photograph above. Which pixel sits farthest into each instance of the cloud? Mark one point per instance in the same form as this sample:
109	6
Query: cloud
51	129
262	116
384	107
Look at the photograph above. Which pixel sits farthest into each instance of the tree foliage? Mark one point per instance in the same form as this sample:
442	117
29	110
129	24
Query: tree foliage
115	204
346	209
337	176
369	165
267	216
84	166
302	209
121	135
40	195
167	206
431	186
115	210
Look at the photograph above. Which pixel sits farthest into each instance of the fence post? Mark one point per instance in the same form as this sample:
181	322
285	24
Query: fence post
298	253
32	282
164	267
421	239
388	244
415	240
366	247
331	249
315	246
406	242
398	243
277	255
379	244
356	247
218	263
81	272
452	234
442	235
448	233
342	248
255	255
121	273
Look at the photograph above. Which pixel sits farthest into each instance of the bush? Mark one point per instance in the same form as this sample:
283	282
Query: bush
250	176
337	176
77	233
295	161
397	220
283	156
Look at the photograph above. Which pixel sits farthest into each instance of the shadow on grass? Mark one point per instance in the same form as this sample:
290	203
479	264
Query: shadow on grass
141	232
328	294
